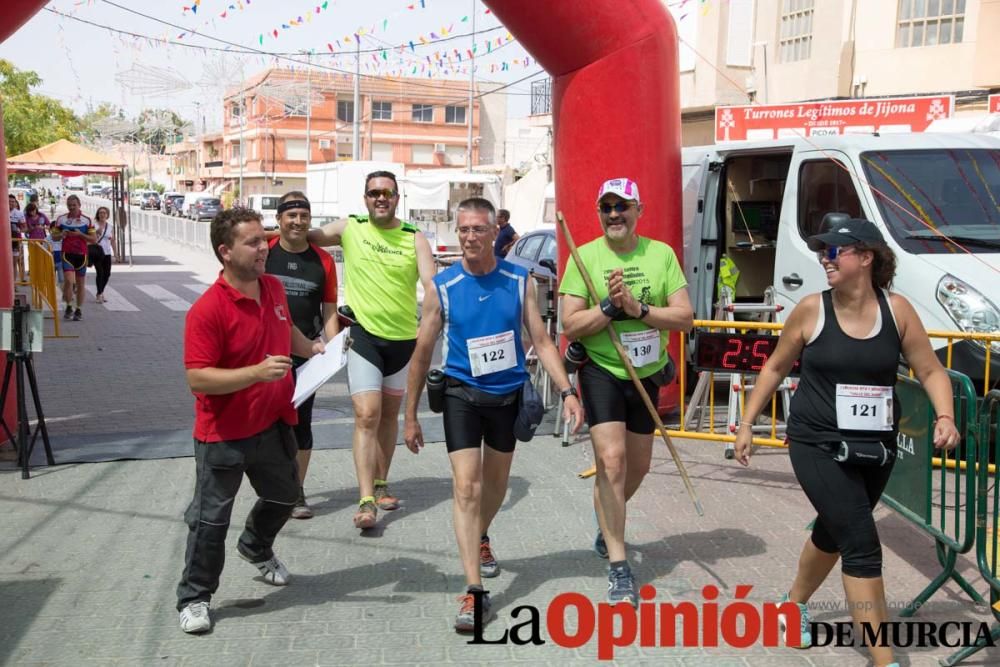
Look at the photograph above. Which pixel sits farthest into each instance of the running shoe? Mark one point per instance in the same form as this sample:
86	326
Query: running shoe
600	546
68	313
302	509
805	637
272	569
78	315
366	515
621	585
466	619
384	499
195	618
488	565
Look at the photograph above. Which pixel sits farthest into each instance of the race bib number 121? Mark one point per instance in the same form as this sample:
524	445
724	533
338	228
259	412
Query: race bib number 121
863	407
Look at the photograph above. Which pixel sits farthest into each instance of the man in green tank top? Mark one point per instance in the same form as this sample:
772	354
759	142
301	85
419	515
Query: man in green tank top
383	259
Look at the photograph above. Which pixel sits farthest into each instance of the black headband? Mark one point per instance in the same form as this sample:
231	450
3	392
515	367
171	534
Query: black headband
293	203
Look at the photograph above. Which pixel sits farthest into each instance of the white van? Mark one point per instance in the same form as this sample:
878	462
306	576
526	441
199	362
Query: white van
757	203
267	206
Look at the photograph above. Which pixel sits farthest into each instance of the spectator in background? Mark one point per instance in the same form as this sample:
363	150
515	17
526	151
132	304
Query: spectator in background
99	254
506	236
36	224
16	230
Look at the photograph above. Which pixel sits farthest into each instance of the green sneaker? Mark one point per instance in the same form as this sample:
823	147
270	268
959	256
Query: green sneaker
805	636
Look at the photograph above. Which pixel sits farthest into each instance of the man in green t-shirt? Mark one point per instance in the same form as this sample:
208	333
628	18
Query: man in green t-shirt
642	291
384	258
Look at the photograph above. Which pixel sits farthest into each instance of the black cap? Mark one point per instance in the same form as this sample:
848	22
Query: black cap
847	232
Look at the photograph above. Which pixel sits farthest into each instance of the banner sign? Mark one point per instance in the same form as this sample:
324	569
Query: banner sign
994	105
762	122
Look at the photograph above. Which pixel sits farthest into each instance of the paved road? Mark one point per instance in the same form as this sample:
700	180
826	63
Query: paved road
90	553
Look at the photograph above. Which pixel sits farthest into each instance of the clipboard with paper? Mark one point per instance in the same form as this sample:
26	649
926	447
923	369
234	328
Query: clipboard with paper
317	371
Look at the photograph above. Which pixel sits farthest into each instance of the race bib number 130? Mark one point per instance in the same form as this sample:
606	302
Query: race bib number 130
643	346
492	354
863	407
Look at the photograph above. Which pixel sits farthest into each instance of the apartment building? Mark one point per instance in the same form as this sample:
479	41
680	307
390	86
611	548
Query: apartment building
422	123
780	51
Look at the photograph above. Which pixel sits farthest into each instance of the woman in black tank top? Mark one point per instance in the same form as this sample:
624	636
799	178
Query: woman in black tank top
849	338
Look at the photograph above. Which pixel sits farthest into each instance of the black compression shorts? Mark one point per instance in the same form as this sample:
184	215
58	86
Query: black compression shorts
608	399
466	426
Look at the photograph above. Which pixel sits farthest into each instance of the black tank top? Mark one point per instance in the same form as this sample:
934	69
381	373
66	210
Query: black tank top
836	358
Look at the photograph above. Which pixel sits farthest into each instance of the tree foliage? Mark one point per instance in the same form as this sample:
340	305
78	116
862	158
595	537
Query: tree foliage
31	120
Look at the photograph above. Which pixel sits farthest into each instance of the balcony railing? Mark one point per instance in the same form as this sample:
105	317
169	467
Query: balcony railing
541	97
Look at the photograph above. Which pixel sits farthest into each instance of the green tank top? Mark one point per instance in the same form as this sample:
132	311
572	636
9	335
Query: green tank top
380	277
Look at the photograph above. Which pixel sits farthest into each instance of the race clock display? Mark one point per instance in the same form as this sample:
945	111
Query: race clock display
735	352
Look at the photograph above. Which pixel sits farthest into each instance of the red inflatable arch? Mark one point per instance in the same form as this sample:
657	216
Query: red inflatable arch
15	13
615	106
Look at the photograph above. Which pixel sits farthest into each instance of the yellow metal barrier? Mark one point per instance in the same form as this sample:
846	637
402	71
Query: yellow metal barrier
42	279
715	435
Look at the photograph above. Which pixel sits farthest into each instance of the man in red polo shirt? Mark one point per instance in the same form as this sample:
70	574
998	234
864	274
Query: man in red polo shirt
238	342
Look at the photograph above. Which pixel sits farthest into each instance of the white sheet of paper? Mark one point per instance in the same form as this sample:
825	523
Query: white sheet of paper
317	371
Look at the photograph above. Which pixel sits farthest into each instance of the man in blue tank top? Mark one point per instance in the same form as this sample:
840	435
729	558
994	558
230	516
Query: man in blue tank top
481	305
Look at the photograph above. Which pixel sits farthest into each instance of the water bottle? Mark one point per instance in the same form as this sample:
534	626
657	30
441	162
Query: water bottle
435	390
576	354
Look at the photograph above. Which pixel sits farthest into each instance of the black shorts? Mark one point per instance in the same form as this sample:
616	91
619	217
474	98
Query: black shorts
377	364
303	430
608	399
466	426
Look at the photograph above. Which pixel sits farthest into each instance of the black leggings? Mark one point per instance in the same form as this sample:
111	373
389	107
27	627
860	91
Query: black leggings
103	268
844	497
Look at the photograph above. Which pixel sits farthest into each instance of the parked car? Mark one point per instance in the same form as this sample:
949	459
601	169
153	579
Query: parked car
205	207
171	204
537	252
150	200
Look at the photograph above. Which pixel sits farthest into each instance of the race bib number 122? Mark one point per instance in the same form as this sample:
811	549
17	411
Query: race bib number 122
492	354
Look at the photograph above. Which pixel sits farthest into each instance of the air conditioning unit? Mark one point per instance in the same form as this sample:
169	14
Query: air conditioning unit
324	144
439	148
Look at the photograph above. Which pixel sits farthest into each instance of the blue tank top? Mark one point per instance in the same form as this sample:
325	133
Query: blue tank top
482	318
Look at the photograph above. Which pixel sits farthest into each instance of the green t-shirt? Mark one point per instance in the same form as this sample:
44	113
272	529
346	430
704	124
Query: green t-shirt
380	277
653	274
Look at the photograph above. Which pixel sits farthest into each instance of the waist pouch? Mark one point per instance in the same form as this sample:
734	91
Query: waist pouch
861	453
478	397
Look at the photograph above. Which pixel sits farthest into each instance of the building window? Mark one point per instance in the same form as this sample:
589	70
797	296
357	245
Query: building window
295	149
381	110
296	109
454	115
796	30
382	151
345	111
930	22
423	113
422	154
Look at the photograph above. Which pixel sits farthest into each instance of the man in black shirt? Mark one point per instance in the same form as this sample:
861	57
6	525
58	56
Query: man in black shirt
506	236
310	279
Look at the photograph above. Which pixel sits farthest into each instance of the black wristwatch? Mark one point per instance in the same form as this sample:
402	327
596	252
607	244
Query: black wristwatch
568	391
643	311
609	309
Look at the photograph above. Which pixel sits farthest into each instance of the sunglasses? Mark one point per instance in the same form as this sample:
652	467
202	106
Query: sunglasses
617	207
385	192
833	252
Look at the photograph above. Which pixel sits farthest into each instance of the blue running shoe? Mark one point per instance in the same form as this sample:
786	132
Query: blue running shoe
621	586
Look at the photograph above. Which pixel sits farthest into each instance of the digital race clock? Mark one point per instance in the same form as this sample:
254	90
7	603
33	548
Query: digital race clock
735	352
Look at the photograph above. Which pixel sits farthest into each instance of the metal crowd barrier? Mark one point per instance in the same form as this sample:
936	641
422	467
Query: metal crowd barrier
192	233
987	518
939	500
42	278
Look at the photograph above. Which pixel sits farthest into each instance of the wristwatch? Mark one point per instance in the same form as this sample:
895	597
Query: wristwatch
643	311
568	391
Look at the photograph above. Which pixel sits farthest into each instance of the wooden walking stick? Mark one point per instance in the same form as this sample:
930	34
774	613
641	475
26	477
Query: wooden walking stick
661	429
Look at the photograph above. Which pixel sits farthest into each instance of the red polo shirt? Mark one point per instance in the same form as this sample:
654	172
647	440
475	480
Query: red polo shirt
225	329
